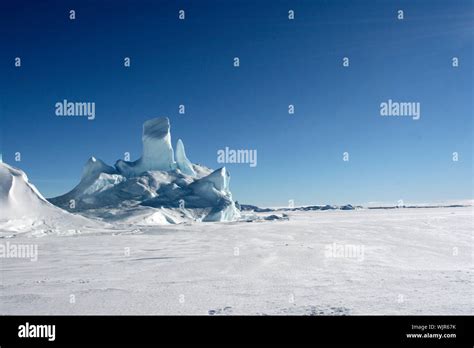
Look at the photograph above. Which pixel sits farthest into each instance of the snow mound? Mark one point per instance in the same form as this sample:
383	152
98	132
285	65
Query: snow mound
24	209
18	197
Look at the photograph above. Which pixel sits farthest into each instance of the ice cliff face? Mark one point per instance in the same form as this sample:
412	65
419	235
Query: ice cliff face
210	192
155	180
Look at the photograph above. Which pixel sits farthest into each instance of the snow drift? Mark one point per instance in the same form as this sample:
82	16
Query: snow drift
18	197
24	209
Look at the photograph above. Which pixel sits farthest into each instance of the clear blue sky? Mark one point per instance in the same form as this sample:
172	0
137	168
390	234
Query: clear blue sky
282	62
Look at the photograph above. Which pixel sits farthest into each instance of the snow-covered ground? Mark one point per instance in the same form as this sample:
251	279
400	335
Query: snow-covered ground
398	261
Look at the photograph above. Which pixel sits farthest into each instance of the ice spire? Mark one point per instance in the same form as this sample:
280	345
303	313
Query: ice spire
158	153
184	165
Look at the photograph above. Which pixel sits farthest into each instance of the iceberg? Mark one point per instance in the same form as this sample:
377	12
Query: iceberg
187	191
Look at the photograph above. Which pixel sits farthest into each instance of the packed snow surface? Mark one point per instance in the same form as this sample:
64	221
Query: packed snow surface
140	246
407	261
